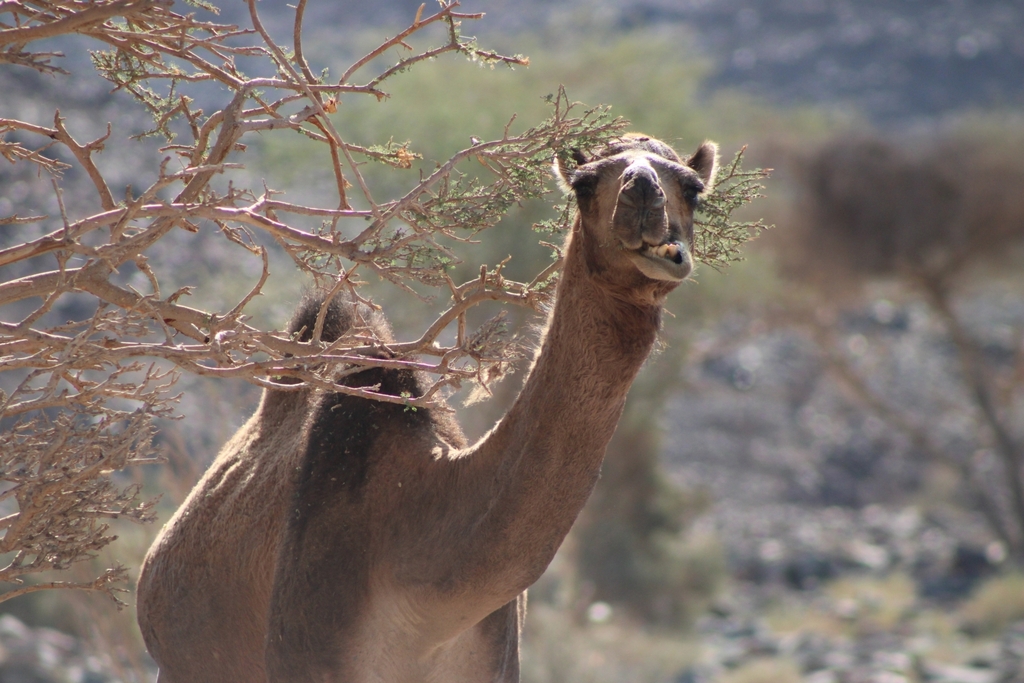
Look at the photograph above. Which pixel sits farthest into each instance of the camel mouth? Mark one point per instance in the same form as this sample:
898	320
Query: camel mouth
673	251
670	261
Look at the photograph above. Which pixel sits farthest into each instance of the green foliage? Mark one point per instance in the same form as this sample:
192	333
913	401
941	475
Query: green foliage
474	189
647	77
152	58
718	237
202	4
445	103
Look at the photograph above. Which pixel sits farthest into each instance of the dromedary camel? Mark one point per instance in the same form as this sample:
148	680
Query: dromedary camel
345	540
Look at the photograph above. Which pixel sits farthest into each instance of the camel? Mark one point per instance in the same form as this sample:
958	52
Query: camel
347	540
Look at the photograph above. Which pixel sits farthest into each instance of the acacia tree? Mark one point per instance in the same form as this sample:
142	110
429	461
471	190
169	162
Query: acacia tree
80	397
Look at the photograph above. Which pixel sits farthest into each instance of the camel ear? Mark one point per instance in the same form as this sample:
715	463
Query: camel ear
705	162
564	169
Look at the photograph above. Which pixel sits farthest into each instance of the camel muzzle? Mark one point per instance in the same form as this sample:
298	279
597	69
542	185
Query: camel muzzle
640	217
641	223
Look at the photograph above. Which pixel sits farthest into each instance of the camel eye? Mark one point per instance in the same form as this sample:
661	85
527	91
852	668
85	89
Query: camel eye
691	192
584	185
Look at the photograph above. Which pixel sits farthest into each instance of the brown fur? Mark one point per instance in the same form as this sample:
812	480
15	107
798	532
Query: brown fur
343	540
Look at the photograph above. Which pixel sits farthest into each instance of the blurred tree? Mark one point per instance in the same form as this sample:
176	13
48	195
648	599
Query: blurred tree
933	215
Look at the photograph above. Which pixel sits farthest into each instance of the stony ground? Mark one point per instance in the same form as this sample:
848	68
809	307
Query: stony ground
850	559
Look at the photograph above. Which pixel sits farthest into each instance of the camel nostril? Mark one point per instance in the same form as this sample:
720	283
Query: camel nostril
640	188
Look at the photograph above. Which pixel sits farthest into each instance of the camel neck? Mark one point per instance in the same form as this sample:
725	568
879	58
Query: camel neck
537	467
592	349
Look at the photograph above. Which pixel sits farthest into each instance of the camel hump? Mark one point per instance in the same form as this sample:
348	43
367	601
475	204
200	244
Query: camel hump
341	315
338	319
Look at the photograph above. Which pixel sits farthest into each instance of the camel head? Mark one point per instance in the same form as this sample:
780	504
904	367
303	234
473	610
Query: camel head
637	198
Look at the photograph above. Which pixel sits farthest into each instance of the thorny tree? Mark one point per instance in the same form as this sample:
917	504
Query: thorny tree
79	397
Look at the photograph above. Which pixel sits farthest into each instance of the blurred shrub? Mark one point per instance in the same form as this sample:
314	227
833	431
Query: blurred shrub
558	648
930	214
630	540
765	670
925	208
995	606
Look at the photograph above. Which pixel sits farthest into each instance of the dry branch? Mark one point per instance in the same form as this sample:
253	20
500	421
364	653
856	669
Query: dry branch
79	397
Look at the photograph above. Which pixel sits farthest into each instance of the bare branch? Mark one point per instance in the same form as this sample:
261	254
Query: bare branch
76	20
84	155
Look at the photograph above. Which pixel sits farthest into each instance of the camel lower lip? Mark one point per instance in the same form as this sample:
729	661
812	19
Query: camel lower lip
670	261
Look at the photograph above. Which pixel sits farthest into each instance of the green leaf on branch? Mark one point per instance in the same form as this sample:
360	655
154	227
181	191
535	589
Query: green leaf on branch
718	237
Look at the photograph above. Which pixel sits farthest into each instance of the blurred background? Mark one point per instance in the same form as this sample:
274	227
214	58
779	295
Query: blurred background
819	475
